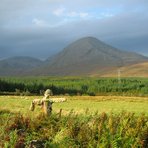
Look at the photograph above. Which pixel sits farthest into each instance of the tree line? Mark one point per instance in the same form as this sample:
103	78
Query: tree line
74	86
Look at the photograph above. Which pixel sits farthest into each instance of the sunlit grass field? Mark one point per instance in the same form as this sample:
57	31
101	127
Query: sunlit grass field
85	122
79	104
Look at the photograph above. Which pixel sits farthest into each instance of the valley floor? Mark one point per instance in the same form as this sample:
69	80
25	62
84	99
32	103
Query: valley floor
79	104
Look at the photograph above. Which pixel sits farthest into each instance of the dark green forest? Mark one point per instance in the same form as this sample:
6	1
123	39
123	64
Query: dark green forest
74	86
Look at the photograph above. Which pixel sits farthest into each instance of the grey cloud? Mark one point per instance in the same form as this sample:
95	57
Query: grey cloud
125	5
19	10
35	42
9	8
126	30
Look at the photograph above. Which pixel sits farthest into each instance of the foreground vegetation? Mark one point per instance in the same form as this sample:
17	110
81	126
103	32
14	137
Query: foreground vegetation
74	86
98	130
103	125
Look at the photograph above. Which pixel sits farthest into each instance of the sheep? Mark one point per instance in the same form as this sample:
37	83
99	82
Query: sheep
58	99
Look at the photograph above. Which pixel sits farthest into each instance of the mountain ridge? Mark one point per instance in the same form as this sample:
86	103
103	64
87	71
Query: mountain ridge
18	65
84	55
81	57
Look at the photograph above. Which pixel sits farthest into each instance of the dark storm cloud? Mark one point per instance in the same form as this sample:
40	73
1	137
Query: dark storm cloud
36	43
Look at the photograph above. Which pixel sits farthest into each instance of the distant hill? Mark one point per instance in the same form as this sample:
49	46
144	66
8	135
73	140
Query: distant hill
17	66
134	70
85	55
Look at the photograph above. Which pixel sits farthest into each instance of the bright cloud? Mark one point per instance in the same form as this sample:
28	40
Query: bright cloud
72	14
105	15
62	12
83	14
39	22
77	14
59	11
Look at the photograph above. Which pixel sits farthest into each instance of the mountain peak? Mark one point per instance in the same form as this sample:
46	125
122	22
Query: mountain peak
88	53
82	57
88	38
86	44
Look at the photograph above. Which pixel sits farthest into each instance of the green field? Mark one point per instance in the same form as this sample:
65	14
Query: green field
80	104
85	121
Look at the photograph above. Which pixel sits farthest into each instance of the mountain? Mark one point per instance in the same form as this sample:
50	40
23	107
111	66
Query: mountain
84	56
18	65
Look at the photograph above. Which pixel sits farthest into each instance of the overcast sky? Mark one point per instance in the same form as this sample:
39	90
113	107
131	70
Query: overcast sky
41	28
